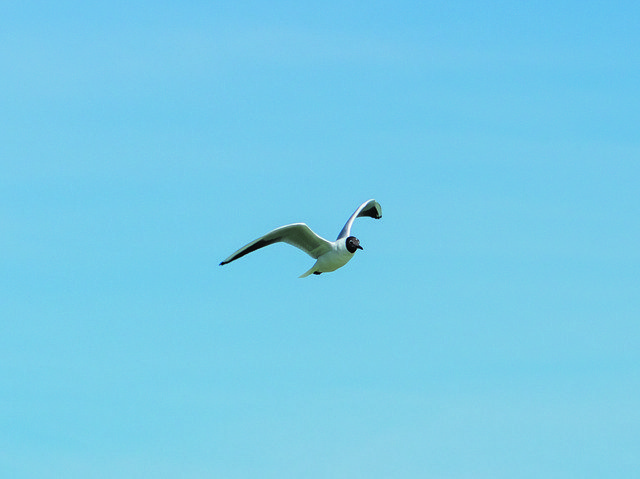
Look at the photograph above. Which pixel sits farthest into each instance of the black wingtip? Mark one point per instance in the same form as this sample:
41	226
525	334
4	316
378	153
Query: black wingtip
222	263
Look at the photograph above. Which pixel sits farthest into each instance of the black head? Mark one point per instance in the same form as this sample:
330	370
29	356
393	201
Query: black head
353	244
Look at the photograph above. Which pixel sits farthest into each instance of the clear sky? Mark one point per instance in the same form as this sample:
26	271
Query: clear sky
489	329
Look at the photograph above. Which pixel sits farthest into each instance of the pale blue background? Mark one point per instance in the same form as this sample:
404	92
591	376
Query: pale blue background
490	328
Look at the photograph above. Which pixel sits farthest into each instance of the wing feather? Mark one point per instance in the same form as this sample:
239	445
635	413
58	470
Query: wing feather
297	234
369	208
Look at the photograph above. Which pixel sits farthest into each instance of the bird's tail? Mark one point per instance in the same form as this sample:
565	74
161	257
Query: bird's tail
304	275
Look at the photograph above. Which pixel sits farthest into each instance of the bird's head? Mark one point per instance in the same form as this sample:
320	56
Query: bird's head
353	244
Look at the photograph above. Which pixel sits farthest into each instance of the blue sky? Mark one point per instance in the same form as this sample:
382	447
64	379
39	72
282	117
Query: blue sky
488	330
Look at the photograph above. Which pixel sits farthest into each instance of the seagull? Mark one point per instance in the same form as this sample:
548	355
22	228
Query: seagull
330	255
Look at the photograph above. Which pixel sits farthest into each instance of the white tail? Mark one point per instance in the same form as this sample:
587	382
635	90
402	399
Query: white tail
304	275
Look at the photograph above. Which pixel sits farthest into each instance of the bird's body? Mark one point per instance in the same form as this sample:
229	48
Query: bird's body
333	259
329	255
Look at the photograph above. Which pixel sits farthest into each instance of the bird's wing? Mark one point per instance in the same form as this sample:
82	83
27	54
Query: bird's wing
369	208
297	234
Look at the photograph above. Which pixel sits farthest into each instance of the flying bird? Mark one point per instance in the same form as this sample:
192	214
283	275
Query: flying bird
329	255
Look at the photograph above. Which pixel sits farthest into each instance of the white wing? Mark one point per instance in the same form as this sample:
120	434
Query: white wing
297	234
369	208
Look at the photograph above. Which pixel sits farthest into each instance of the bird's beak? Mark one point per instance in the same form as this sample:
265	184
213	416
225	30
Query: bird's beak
360	247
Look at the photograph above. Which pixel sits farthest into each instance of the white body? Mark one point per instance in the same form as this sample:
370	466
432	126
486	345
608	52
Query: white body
333	259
